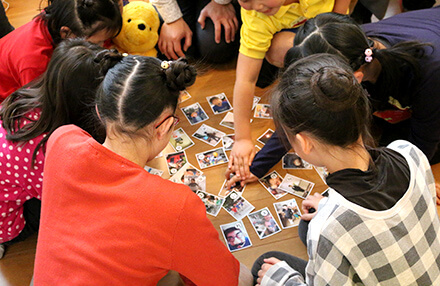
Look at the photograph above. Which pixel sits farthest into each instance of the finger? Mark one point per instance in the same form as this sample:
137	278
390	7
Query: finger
231	162
307	216
235	20
227	27
271	260
201	20
229	30
251	156
228	173
188	41
218	31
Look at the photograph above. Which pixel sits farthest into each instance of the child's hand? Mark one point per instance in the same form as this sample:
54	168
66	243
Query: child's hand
269	262
231	181
310	203
241	158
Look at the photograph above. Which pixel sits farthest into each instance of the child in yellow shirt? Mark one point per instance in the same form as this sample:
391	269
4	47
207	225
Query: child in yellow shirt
264	35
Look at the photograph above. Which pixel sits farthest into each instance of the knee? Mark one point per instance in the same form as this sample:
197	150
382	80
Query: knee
274	58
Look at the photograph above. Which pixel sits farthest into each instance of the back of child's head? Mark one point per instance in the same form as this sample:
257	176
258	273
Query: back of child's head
319	95
138	89
84	18
65	93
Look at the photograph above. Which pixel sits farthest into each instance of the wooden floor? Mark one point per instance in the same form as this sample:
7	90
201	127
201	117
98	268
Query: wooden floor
17	265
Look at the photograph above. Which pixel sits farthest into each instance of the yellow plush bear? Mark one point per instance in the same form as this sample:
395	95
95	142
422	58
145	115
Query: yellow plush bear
139	29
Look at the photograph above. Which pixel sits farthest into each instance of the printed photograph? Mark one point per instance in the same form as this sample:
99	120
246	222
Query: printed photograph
153	171
175	161
219	103
180	140
189	170
224	191
184	96
265	137
322	172
271	183
293	161
296	186
237	206
288	212
213	204
194	113
211	158
228	141
209	135
264	223
262	111
236	236
195	182
256	100
228	120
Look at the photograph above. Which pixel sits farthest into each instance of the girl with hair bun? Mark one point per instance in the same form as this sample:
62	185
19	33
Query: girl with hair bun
63	95
26	51
381	201
107	220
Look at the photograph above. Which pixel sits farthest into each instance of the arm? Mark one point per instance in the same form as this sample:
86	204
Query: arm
243	151
221	15
341	6
275	272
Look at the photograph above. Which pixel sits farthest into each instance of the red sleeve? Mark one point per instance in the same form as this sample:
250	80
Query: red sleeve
198	253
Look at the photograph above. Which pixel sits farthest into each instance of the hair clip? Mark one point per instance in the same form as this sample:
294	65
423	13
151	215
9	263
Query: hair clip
165	64
124	54
368	55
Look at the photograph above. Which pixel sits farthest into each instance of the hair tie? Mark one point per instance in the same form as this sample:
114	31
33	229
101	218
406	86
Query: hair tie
368	55
165	65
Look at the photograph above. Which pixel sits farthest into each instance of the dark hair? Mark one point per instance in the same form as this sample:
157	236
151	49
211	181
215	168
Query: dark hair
137	90
339	34
211	100
320	95
83	17
231	229
65	94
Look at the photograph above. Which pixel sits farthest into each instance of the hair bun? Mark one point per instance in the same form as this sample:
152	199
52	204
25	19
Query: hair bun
334	89
180	75
86	3
107	59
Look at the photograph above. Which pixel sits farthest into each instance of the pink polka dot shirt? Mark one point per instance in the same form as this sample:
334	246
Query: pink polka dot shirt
19	181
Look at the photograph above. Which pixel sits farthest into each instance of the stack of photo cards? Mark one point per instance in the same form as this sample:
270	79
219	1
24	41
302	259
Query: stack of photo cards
265	137
180	140
293	161
213	204
262	111
228	141
153	171
235	235
237	206
271	183
228	120
296	186
219	103
288	212
211	158
194	113
238	188
175	161
184	96
264	223
189	170
209	135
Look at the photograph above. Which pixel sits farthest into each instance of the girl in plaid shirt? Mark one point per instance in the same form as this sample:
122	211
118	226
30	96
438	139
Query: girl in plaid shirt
379	225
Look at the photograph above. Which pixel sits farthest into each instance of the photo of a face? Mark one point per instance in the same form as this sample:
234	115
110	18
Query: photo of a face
293	161
236	236
219	103
194	113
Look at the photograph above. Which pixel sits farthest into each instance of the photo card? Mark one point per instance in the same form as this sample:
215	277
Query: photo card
195	182
288	213
296	186
184	96
228	141
266	136
322	172
212	157
194	113
263	111
188	169
237	206
224	191
255	101
228	120
209	135
219	103
180	140
175	161
153	171
293	161
213	204
235	235
264	223
271	183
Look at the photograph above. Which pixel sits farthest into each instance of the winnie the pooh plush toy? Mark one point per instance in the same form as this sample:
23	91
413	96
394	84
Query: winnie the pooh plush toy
139	29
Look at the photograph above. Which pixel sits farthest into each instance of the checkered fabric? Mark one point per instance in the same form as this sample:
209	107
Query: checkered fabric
351	245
